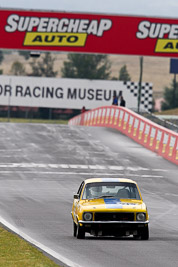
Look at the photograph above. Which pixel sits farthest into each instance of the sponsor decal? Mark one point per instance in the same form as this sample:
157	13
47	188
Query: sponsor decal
142	125
165	33
147	129
103	116
92	115
95	116
111	117
177	152
113	203
125	120
158	139
121	117
107	115
171	145
99	115
165	141
50	31
116	116
136	123
152	136
55	39
110	180
130	123
85	118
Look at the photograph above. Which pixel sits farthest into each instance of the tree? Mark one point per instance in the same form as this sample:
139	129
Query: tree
44	67
86	66
17	68
25	54
170	96
1	57
124	75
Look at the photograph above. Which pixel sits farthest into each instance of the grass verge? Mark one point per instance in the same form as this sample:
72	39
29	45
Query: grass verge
19	120
168	112
16	252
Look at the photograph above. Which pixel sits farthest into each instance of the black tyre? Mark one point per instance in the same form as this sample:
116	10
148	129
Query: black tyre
74	229
80	233
136	237
145	233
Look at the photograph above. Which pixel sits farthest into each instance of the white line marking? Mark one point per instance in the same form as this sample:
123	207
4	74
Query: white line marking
10	150
159	170
84	173
64	166
76	166
137	169
39	245
97	167
153	176
116	168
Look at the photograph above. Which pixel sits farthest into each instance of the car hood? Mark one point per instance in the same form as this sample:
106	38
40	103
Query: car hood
109	204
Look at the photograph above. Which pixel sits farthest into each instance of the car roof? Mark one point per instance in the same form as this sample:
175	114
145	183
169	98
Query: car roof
107	180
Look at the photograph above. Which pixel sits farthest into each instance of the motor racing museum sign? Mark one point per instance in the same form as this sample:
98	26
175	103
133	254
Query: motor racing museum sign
70	93
88	33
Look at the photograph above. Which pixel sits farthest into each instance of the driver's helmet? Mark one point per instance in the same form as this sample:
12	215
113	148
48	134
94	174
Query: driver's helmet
95	191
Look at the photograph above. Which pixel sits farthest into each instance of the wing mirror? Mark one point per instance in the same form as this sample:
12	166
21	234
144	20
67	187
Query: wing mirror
76	196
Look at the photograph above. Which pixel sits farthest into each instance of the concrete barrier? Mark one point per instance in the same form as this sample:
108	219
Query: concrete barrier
145	132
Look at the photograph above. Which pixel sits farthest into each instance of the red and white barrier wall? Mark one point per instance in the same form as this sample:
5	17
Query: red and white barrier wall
145	132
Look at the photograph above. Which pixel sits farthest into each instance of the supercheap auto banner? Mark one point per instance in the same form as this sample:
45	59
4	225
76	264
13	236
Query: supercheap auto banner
88	33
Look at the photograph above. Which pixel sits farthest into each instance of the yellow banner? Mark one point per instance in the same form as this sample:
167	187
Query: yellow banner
167	46
55	39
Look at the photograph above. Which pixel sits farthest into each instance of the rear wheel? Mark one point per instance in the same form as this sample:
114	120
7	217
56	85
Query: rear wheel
74	229
145	233
80	233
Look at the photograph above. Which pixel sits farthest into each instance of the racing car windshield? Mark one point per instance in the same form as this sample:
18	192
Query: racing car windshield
111	189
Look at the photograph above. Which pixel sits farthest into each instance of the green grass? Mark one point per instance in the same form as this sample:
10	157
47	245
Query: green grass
168	112
16	252
18	120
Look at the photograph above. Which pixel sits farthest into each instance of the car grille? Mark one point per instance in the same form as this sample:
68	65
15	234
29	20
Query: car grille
114	216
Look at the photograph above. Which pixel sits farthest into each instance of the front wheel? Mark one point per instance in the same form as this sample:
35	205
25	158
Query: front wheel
80	233
145	233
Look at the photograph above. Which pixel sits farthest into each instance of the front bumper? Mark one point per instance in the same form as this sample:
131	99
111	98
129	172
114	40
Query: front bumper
113	222
115	228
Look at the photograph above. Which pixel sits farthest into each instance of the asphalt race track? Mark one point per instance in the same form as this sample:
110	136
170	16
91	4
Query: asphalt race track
41	166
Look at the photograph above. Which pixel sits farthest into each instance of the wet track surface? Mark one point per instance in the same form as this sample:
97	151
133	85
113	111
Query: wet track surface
41	166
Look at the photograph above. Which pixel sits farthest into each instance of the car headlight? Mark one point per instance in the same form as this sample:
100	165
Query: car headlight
141	216
87	216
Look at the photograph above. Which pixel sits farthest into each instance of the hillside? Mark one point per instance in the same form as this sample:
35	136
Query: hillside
155	69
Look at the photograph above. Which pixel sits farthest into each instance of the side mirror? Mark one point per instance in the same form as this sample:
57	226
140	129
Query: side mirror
76	196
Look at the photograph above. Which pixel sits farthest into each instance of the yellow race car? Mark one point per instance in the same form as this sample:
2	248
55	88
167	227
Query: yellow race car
109	207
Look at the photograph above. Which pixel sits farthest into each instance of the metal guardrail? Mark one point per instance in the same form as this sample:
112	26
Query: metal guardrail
165	123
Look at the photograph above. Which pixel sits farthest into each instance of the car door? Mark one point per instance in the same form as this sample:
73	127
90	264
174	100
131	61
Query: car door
76	202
